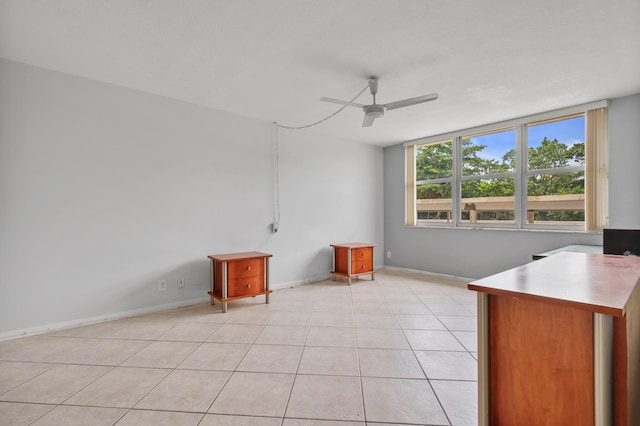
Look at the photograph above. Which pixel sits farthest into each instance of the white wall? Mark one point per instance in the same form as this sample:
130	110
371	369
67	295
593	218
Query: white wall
478	253
105	190
331	192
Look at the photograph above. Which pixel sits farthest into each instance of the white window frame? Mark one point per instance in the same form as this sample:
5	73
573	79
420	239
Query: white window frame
596	215
452	179
488	176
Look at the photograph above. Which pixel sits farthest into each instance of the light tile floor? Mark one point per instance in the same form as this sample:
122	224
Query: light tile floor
398	350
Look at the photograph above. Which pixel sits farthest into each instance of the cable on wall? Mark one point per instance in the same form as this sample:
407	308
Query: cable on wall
324	119
277	159
277	188
276	224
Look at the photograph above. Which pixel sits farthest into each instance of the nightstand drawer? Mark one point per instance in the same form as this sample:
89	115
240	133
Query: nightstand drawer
245	286
361	254
245	268
358	267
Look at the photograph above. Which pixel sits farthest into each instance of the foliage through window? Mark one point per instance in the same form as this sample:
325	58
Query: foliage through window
555	171
529	174
488	177
434	176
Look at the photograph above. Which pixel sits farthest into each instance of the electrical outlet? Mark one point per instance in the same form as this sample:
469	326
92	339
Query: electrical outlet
181	283
274	227
162	285
388	254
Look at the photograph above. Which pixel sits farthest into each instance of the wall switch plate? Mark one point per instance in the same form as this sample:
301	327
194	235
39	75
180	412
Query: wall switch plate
274	227
162	285
181	283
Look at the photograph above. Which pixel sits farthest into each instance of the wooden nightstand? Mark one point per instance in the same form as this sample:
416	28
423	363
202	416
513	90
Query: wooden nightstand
352	260
238	275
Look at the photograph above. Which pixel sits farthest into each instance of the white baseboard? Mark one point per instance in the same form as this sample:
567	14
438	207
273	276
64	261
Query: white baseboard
102	318
432	274
150	309
294	283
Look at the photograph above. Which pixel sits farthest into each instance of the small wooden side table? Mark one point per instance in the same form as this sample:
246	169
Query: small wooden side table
352	259
239	275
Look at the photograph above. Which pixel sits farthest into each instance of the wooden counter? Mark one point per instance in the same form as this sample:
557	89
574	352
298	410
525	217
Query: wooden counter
559	342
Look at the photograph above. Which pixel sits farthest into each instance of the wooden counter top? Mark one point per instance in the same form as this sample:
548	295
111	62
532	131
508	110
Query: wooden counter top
594	282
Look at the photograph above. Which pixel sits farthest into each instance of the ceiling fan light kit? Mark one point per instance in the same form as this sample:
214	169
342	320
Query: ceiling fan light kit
373	111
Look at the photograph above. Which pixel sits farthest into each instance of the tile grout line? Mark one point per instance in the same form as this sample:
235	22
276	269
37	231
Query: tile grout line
354	296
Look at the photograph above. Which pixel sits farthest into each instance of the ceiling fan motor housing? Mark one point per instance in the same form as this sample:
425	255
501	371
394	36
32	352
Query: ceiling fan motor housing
375	111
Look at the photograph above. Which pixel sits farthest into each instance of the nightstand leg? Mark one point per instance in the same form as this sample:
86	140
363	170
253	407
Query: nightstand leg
211	278
266	278
225	284
349	266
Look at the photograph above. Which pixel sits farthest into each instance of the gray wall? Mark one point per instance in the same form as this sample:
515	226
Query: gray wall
105	190
624	162
475	254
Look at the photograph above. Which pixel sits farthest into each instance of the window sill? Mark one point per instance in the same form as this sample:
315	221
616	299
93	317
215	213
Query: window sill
501	229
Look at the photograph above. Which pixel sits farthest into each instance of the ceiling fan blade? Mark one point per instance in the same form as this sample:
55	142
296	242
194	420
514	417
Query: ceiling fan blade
368	120
411	101
338	101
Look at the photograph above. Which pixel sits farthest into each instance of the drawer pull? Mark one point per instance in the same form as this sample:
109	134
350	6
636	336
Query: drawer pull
248	268
248	285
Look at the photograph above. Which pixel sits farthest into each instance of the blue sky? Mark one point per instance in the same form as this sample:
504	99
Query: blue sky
566	131
497	144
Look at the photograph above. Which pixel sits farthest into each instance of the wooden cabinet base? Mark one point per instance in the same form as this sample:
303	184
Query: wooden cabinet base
229	299
543	366
558	342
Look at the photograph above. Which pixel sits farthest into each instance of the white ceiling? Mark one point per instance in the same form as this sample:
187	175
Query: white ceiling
273	60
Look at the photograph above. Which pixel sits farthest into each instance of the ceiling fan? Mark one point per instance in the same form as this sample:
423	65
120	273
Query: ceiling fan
373	111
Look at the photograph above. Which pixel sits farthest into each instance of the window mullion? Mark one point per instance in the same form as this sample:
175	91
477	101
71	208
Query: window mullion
488	176
456	190
440	180
521	176
555	170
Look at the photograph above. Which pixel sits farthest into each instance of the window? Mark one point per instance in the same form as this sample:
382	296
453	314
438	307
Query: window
555	171
488	177
434	178
546	171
